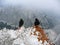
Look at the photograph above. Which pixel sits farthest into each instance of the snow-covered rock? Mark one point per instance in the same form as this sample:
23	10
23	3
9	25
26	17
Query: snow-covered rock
23	36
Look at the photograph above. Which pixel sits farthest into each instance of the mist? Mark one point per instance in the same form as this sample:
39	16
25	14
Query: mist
12	10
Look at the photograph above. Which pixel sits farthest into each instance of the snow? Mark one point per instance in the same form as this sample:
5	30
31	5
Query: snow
23	36
51	34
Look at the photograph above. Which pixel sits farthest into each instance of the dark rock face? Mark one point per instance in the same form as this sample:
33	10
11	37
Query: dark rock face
36	22
5	25
21	22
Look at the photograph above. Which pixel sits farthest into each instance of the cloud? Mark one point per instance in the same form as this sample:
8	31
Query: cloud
50	7
39	4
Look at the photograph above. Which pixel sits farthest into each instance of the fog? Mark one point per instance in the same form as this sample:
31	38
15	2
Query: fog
12	10
50	5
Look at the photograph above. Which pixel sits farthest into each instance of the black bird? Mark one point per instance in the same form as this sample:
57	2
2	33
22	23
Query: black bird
21	22
36	22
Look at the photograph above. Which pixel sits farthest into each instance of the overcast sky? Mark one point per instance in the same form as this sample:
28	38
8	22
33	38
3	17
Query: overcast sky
52	5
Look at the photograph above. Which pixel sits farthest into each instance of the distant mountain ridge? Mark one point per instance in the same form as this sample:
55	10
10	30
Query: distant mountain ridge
5	25
12	15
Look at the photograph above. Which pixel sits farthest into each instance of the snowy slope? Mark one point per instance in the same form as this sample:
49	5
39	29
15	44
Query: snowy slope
23	37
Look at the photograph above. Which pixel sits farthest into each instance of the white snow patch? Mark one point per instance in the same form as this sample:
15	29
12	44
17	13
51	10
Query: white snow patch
23	37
